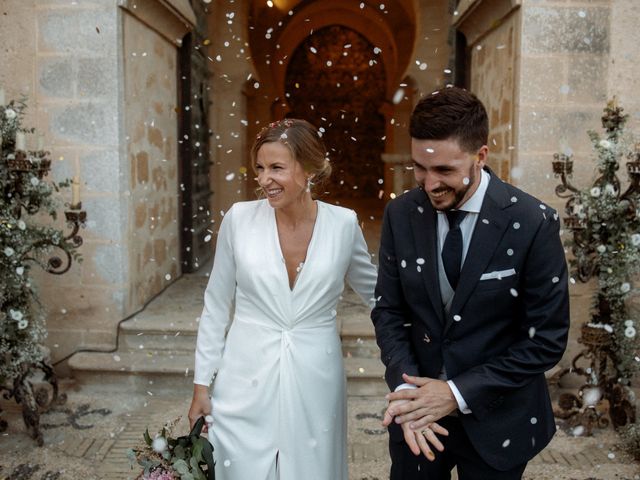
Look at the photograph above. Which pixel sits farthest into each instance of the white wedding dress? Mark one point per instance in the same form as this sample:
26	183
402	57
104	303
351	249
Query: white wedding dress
279	399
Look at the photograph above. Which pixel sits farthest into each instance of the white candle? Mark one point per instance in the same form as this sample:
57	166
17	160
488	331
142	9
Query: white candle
21	141
75	191
1	96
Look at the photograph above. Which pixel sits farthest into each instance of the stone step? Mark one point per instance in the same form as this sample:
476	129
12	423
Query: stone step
158	371
158	334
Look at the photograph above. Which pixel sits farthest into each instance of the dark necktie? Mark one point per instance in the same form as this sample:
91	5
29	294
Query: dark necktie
452	248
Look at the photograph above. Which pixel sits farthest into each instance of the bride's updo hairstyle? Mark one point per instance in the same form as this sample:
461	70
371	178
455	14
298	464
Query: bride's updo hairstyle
305	144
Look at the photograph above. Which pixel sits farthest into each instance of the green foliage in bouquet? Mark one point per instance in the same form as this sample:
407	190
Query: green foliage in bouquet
168	458
26	201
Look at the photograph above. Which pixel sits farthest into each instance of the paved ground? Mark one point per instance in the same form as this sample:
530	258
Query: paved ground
87	437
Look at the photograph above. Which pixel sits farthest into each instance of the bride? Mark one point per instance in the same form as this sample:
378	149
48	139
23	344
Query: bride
268	343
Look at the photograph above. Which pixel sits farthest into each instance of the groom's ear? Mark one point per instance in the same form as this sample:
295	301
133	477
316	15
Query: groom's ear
482	155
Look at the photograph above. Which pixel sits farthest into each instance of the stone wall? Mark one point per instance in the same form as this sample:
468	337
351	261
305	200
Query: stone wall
150	99
67	57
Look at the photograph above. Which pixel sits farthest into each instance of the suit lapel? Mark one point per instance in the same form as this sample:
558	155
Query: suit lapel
424	227
490	227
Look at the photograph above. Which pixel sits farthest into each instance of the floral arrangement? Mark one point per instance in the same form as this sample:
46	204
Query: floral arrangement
26	198
166	458
611	222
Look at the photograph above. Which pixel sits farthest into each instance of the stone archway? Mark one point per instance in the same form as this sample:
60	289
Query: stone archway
335	80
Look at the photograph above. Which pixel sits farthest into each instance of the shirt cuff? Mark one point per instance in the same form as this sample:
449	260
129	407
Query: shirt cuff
405	386
462	405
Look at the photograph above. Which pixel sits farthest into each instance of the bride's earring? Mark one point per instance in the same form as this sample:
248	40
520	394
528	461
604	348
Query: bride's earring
309	184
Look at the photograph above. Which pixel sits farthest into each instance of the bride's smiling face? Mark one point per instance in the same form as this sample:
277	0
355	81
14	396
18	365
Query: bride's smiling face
280	176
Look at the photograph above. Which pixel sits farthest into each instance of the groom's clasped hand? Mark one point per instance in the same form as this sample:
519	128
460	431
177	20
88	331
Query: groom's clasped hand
417	408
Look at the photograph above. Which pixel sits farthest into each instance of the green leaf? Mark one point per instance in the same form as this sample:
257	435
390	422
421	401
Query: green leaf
197	450
179	452
147	437
181	466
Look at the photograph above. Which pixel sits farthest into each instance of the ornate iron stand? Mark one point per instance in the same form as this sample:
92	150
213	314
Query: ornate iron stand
39	397
601	399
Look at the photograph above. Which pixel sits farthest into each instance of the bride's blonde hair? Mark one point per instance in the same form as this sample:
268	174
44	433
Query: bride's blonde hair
303	141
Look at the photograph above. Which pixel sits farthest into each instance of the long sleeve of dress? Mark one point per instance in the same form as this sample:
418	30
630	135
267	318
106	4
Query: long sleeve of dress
218	299
361	274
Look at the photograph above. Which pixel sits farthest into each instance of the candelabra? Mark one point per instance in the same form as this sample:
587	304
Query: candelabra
599	218
22	168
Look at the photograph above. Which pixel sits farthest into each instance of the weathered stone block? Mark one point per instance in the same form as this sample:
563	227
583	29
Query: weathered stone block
90	123
88	31
553	29
542	79
108	217
110	263
98	77
101	171
56	77
588	79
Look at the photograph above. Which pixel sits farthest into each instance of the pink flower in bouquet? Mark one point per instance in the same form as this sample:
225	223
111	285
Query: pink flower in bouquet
161	474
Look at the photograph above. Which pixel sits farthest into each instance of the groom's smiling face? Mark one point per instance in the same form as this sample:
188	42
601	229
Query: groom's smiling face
448	174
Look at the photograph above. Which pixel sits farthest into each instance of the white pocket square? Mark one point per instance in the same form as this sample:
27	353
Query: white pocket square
498	274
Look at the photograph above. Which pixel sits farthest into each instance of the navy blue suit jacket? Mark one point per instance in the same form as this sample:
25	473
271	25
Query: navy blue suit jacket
507	331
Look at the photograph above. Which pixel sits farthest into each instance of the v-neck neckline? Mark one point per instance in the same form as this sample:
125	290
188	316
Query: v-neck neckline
308	254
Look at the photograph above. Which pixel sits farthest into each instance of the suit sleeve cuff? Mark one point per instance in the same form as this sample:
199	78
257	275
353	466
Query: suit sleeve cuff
462	405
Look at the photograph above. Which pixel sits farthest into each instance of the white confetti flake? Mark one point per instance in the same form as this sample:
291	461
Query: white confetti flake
422	66
532	332
398	96
229	176
207	238
516	225
403	264
506	443
167	277
421	209
611	455
313	50
513	292
227	463
582	14
514	199
555	279
591	396
510	252
361	5
329	63
420	261
457	318
116	358
466	181
533	420
578	431
377	50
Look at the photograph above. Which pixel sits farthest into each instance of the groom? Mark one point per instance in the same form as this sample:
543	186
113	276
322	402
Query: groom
472	307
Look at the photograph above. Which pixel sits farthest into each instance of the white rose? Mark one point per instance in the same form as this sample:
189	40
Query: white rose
10	114
605	143
635	239
16	314
601	249
22	324
8	251
22	225
595	192
159	444
629	332
625	287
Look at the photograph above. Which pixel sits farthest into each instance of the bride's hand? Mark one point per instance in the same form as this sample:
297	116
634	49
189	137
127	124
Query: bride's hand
200	405
418	441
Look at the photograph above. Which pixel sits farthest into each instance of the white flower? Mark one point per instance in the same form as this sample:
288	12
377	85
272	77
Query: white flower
22	324
16	314
601	249
159	444
8	251
628	323
10	114
625	287
635	239
629	332
22	225
35	181
595	192
605	143
609	189
20	270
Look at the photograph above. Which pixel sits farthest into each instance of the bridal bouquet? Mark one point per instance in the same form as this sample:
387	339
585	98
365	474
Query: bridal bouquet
166	458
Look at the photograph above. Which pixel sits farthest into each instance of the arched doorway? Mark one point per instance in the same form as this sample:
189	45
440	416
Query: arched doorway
335	79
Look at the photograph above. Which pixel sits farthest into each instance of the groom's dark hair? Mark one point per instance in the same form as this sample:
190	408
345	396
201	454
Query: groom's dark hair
451	113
